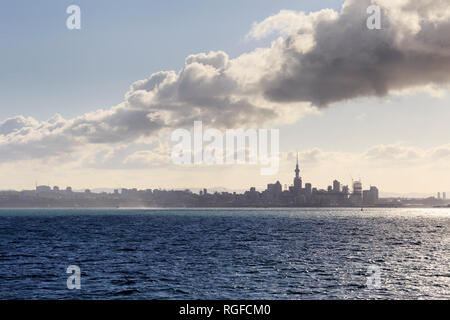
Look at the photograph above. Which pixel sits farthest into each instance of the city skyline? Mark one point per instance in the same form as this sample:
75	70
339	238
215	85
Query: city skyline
353	194
282	176
85	111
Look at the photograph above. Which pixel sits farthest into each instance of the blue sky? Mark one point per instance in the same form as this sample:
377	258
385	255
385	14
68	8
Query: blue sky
47	69
72	72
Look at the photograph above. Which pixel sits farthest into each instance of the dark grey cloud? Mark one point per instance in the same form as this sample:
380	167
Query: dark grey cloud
348	60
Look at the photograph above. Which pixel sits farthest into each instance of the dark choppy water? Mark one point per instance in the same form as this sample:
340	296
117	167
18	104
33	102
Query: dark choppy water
225	254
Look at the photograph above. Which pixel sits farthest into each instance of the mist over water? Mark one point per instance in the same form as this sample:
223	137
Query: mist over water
225	253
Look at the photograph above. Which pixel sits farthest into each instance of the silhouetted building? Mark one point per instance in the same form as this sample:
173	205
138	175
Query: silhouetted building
308	189
273	196
336	186
274	188
297	178
370	197
357	194
375	192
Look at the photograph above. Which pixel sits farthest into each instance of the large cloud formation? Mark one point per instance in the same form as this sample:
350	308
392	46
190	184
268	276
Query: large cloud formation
321	58
347	60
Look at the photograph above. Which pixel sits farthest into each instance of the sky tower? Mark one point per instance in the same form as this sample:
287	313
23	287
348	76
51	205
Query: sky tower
297	179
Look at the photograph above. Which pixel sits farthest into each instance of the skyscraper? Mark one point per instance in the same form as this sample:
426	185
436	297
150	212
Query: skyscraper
357	195
375	193
370	197
308	188
336	186
297	179
275	188
357	188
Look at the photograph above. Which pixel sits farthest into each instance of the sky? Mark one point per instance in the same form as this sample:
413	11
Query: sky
352	106
120	42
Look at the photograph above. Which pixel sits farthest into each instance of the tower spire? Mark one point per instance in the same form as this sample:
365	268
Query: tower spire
297	179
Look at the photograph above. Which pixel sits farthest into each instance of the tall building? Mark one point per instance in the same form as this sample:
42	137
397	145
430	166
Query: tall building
357	195
275	188
357	188
444	196
375	193
297	179
439	196
370	197
336	186
345	190
308	188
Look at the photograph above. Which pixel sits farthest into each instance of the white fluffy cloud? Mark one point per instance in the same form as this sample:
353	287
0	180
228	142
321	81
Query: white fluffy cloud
324	57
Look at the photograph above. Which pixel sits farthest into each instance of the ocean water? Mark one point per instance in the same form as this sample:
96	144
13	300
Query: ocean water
226	253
